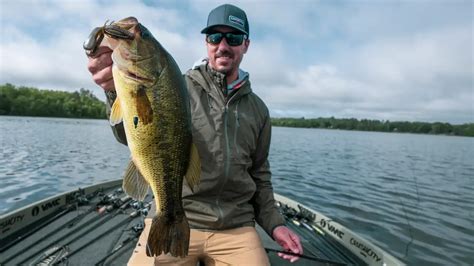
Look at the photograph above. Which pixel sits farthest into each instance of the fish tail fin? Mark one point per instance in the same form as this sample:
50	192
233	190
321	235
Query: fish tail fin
168	237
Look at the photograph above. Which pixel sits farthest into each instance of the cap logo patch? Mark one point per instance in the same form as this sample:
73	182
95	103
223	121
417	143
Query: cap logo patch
236	20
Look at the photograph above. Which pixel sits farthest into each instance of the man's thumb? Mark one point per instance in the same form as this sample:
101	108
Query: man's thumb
293	247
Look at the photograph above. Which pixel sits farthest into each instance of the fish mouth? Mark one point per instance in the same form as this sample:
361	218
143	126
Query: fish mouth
132	71
137	77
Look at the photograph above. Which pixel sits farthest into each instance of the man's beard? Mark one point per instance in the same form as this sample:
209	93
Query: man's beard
224	69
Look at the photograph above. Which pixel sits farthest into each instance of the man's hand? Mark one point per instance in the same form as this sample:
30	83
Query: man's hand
100	66
289	241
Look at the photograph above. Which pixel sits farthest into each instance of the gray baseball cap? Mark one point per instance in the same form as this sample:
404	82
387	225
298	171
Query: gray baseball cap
227	15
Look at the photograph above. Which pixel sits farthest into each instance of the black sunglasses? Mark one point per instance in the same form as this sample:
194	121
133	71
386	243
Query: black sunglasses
233	39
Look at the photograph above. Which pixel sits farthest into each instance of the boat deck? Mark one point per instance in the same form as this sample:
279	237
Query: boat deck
102	227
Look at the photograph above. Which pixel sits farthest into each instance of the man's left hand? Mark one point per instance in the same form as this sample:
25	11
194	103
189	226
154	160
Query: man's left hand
289	241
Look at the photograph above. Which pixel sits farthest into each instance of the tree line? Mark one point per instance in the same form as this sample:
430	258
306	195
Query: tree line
376	125
27	101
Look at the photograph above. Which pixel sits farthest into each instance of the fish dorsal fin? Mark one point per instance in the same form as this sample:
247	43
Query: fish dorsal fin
144	110
134	184
193	175
116	113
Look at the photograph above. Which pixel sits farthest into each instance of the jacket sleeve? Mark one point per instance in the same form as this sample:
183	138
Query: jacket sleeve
266	213
118	130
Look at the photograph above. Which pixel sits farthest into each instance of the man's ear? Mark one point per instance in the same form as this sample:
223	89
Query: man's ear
246	45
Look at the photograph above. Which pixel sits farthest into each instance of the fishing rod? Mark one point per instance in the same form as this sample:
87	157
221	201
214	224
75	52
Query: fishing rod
107	199
137	205
80	201
303	220
118	248
138	229
30	232
331	249
306	257
130	217
124	204
119	205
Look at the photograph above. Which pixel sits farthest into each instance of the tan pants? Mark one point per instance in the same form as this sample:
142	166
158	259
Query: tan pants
240	246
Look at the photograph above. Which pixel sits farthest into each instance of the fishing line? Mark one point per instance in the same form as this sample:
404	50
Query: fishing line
410	230
405	213
410	227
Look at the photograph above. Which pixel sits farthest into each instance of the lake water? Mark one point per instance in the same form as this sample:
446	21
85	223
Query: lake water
412	195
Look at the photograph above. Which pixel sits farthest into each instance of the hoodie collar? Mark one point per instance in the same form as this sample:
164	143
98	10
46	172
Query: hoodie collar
238	82
219	78
214	82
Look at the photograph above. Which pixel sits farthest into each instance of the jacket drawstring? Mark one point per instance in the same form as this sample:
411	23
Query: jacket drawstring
237	125
209	100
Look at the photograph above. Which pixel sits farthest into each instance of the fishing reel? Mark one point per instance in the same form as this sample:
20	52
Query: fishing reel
137	204
82	200
141	207
138	227
291	213
107	199
144	211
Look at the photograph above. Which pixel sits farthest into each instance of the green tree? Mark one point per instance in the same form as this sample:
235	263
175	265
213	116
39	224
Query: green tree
376	125
35	102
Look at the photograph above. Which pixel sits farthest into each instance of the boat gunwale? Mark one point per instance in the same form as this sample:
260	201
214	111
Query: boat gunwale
19	219
357	244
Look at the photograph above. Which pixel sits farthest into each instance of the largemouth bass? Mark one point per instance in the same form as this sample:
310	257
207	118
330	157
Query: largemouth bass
153	104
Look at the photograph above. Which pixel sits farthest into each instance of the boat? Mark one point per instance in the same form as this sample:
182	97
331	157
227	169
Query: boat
100	225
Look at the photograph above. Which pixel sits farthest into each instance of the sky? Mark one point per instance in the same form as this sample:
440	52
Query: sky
367	59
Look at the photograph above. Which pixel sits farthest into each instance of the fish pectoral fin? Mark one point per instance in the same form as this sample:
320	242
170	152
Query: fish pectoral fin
193	174
115	113
144	109
134	184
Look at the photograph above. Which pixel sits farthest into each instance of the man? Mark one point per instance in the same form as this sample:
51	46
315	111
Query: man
231	129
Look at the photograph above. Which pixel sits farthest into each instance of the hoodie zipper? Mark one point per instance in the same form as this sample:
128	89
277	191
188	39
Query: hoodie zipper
227	159
227	146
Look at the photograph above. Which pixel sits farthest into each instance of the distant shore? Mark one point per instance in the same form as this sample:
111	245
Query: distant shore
28	101
436	128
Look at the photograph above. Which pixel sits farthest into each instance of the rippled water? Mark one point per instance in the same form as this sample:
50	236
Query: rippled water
412	195
41	157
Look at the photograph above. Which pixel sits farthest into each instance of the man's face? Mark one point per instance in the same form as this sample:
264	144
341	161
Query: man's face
223	57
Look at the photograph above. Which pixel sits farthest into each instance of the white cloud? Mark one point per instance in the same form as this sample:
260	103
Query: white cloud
266	61
415	77
57	60
54	64
411	61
